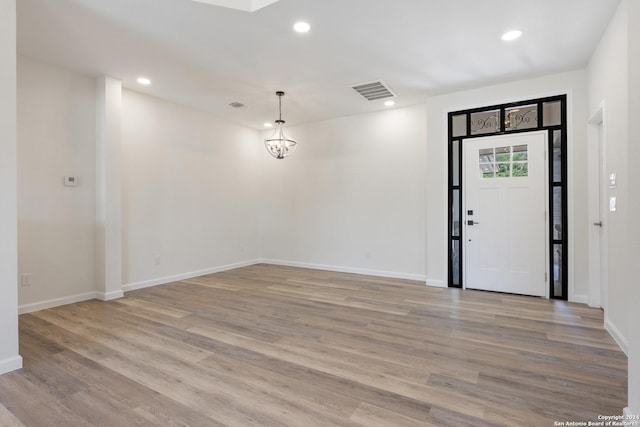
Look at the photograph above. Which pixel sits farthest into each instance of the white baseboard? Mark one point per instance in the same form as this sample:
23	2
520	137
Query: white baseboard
10	364
582	299
108	296
175	278
437	283
341	269
56	302
617	336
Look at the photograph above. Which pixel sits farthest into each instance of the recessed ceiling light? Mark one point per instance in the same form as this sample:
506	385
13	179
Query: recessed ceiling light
302	27
144	81
268	125
511	35
389	103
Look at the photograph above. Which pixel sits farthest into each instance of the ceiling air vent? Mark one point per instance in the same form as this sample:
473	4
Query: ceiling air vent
374	90
237	104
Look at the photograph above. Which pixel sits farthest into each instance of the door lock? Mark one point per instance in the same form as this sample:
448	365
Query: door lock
472	222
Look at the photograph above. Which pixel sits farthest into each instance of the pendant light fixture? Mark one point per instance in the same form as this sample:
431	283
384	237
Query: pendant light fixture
279	145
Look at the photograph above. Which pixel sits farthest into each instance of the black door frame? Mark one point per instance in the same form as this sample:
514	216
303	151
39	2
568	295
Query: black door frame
547	114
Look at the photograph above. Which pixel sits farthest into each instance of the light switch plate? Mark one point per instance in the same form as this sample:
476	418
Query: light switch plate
71	181
613	180
613	204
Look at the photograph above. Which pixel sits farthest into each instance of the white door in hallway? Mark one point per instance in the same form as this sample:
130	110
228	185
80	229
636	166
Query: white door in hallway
505	237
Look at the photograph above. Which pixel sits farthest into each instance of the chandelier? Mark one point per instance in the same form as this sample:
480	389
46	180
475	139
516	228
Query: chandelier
279	145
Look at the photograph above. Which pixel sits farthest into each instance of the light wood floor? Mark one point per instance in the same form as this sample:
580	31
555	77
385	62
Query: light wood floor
277	346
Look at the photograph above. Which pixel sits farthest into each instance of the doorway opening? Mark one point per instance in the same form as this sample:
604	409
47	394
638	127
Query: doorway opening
464	127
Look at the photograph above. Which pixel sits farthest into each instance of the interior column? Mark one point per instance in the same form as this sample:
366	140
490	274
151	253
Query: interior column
108	188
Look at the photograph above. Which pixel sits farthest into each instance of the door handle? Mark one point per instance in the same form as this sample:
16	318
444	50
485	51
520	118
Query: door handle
598	224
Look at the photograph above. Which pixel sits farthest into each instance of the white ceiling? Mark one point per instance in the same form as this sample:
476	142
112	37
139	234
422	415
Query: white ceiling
207	56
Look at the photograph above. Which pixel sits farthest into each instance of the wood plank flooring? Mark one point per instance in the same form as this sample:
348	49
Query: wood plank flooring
278	346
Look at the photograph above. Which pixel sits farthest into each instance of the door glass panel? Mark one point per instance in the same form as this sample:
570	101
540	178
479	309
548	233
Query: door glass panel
520	169
557	271
551	113
486	155
486	158
503	154
459	124
455	162
557	213
455	218
520	152
520	165
521	117
485	122
503	170
455	260
487	170
557	156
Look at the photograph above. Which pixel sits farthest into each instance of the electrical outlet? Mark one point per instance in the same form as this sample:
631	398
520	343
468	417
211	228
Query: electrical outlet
25	279
157	260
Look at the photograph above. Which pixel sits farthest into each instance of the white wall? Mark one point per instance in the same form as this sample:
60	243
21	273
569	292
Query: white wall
56	132
614	72
190	187
573	84
608	82
190	191
634	206
351	197
9	358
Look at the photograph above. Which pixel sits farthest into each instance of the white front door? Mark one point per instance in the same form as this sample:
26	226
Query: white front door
505	212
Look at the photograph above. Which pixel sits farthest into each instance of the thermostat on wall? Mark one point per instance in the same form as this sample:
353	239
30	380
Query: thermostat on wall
71	181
